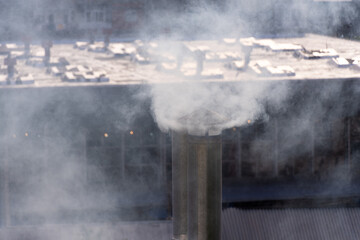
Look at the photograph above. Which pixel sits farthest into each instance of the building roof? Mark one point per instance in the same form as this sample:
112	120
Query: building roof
237	224
316	224
155	62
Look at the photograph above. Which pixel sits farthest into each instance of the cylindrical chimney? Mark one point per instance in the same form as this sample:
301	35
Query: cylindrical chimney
204	184
179	185
199	149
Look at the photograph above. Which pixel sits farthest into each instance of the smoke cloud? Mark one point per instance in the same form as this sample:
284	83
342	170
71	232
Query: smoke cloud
51	172
311	117
236	103
213	20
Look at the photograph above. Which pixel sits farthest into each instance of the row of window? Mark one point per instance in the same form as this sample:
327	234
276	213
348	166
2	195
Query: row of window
255	150
271	151
50	171
113	165
98	16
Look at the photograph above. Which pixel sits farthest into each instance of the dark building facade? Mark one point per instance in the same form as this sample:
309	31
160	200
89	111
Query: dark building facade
99	153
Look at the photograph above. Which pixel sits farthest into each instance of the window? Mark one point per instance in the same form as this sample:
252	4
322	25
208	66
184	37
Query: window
66	19
230	152
88	16
258	144
329	146
142	155
230	159
104	158
125	157
72	16
100	16
39	161
108	16
354	146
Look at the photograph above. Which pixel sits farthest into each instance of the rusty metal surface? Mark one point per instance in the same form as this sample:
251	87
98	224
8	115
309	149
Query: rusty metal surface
294	224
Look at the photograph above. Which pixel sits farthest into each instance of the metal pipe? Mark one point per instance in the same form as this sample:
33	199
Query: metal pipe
204	184
179	185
